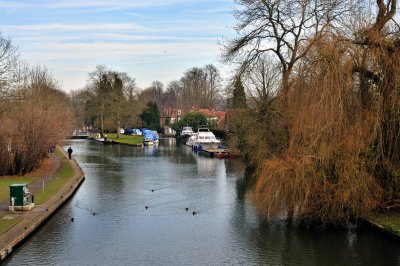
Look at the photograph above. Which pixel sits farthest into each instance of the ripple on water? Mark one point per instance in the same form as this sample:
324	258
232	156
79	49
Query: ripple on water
122	180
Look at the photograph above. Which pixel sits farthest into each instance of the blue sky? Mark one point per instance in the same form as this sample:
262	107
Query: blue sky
148	39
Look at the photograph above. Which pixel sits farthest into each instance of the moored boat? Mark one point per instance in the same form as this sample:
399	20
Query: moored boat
190	140
186	132
203	139
150	137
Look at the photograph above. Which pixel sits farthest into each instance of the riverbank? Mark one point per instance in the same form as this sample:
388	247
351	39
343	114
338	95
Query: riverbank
22	224
135	141
388	222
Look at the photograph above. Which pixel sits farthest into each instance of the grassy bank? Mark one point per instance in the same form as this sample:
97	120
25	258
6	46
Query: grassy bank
126	139
6	224
389	221
62	176
5	183
52	186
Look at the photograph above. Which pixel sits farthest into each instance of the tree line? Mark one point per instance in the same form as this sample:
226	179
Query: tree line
197	88
112	100
322	81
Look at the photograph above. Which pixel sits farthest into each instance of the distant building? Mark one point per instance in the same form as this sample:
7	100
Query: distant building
170	116
214	117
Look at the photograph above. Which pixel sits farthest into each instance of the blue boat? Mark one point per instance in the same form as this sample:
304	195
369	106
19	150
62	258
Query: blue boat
150	137
132	131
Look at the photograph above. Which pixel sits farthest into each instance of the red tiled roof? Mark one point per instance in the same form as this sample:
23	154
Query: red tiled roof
208	113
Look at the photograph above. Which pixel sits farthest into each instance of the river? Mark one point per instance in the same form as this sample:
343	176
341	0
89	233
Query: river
197	214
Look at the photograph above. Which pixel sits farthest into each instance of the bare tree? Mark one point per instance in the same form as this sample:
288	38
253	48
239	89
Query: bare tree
8	68
213	87
192	84
98	85
153	93
200	87
377	70
112	99
262	82
8	62
121	91
285	28
342	159
79	100
40	116
169	97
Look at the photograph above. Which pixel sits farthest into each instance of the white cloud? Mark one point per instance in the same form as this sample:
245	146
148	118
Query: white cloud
148	45
115	4
109	50
73	27
143	61
149	38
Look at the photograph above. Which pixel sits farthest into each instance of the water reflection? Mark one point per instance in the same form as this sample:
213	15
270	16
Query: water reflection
121	181
168	142
151	150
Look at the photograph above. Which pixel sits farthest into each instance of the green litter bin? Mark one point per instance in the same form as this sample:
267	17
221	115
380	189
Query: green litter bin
21	194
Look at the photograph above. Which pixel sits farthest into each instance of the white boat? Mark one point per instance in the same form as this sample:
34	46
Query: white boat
186	132
190	140
80	134
203	139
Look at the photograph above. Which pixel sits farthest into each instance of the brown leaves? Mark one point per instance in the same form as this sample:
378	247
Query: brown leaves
324	175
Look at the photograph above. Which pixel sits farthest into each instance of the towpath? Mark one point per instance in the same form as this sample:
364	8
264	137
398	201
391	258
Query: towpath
29	221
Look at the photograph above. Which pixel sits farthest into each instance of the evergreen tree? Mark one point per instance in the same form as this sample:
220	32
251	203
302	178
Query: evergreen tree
151	116
239	96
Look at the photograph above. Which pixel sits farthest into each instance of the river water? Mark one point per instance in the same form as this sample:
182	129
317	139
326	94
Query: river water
224	230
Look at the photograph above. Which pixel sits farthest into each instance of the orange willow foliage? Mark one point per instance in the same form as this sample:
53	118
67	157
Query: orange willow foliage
324	176
30	128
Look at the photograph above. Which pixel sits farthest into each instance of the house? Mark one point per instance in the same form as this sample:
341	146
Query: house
214	117
170	116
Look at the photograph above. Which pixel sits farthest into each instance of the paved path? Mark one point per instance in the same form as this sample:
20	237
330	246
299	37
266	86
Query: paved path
31	220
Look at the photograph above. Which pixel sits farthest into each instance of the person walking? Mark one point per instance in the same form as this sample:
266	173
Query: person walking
69	153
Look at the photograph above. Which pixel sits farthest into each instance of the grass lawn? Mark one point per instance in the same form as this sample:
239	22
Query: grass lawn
127	139
57	182
6	224
51	187
389	221
5	183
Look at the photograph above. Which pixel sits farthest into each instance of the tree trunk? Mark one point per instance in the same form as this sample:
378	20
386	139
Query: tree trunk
102	124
